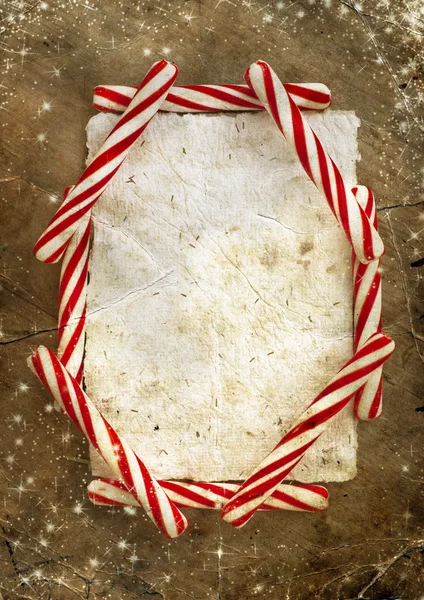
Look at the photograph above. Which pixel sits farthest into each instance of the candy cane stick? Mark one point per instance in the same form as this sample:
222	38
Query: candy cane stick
290	450
115	451
211	98
367	313
72	298
317	164
96	177
297	497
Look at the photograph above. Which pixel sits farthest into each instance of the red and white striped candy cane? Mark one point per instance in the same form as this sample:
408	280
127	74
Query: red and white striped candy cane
72	298
96	177
367	313
115	451
317	164
290	450
295	496
211	98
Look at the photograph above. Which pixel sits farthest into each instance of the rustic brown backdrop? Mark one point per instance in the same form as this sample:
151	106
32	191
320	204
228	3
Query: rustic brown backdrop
55	545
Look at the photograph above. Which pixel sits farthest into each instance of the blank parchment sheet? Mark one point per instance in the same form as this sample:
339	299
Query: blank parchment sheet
220	295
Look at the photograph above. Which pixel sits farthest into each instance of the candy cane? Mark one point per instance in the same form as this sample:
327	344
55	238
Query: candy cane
115	451
290	450
367	313
296	496
72	298
317	164
211	98
96	177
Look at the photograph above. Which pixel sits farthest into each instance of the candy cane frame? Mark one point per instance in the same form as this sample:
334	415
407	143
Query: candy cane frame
68	236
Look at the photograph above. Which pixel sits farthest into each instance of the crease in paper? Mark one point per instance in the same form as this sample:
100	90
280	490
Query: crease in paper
220	296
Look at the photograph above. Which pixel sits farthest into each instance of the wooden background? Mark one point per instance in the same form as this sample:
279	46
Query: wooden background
54	544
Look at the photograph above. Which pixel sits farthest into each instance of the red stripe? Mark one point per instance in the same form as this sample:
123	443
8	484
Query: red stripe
99	499
156	69
300	138
63	389
375	343
361	269
221	94
49	234
128	478
375	406
350	378
366	235
74	260
185	103
136	110
277	464
188	493
325	175
86	415
257	492
70	347
55	255
316	420
74	296
316	489
367	307
291	501
270	93
243	89
342	201
114	483
78	376
112	96
152	497
307	93
109	155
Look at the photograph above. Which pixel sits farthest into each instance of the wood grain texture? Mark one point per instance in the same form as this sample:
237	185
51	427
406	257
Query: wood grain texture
369	543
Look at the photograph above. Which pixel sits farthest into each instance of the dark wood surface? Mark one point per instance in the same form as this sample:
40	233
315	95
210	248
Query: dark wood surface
368	544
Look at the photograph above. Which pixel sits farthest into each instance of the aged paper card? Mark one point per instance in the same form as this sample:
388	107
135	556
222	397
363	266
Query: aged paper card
220	295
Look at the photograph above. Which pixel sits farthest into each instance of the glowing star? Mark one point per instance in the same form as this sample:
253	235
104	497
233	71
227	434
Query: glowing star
66	437
147	52
41	138
123	545
46	106
189	17
133	559
78	509
23	52
37	574
23	387
166	51
56	71
94	563
130	510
